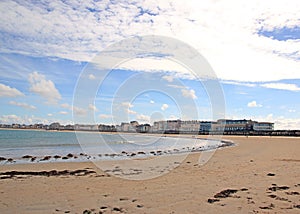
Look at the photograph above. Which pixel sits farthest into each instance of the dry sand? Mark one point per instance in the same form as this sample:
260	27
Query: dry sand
246	171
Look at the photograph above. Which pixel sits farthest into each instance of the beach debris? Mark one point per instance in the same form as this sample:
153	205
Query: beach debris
139	206
244	189
65	158
271	206
292	193
124	199
87	212
117	209
279	188
57	156
271	174
297	206
225	193
212	200
103	207
79	172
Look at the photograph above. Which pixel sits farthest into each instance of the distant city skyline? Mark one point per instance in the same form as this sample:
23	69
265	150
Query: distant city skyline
253	47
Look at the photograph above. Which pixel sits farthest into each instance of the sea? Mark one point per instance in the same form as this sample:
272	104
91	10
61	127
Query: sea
82	146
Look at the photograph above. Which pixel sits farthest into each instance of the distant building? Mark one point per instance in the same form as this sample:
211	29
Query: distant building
233	125
205	126
263	126
83	127
189	126
144	128
54	126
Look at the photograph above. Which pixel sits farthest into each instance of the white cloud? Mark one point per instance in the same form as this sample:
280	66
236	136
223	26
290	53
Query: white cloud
105	116
253	104
164	107
143	118
43	87
63	112
92	77
225	32
23	105
129	111
127	104
79	111
168	78
281	86
152	101
93	107
189	93
247	84
65	105
7	91
12	118
49	115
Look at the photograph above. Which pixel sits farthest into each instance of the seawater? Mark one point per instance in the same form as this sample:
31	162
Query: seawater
17	143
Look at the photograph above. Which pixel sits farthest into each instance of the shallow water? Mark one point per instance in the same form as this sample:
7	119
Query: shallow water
17	143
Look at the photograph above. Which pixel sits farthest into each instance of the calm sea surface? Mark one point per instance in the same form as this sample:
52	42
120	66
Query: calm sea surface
17	143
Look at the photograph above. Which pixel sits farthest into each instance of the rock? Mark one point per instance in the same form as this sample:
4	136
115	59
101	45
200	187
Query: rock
139	206
57	156
87	212
70	155
65	158
103	207
27	156
46	158
132	154
2	159
10	160
244	189
270	174
33	159
141	153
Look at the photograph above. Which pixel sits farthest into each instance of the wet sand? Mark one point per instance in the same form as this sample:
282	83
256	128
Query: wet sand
259	175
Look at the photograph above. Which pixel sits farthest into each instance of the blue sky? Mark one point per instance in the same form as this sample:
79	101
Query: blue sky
47	47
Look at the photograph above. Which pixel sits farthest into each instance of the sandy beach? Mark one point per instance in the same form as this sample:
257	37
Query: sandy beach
258	175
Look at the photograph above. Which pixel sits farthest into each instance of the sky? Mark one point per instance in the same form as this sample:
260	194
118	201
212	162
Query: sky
49	73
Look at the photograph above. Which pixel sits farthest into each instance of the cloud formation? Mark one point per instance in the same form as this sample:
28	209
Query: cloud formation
7	91
253	104
43	87
189	93
23	105
282	86
230	34
164	107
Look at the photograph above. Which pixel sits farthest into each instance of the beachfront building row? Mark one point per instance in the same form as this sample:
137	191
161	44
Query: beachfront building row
164	126
222	125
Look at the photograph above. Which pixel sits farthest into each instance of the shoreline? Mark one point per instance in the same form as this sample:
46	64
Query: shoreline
124	155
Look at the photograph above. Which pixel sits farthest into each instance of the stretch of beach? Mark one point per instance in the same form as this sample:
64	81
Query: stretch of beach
258	175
